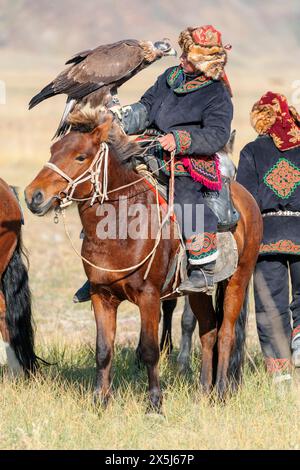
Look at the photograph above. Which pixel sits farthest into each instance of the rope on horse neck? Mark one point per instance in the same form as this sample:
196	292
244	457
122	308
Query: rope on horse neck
150	255
105	193
130	268
100	162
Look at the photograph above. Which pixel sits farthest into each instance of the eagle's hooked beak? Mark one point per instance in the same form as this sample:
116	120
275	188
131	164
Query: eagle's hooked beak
171	52
165	47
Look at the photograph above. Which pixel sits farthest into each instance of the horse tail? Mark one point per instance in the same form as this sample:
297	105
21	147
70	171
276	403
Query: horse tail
238	352
18	310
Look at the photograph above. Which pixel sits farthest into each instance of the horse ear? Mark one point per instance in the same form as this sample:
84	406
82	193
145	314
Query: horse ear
100	134
230	143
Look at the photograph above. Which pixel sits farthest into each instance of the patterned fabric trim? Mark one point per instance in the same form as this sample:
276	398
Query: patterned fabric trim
205	169
204	260
282	246
173	75
296	331
277	365
283	178
187	87
183	141
202	246
180	170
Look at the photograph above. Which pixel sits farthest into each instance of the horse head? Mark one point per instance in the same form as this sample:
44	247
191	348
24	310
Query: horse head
71	157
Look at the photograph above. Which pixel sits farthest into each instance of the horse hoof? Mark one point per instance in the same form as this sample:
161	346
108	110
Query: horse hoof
220	395
155	410
205	390
184	369
101	400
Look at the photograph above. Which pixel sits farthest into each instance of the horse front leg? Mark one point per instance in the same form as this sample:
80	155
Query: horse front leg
188	325
202	305
149	305
235	294
168	307
105	311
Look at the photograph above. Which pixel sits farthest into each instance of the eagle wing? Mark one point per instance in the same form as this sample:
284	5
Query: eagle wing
93	69
108	64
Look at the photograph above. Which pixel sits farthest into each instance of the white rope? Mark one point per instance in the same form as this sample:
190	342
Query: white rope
130	268
94	177
100	162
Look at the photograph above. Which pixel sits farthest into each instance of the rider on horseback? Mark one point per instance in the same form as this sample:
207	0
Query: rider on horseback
191	106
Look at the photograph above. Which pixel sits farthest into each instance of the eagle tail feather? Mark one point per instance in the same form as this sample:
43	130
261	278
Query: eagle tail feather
64	125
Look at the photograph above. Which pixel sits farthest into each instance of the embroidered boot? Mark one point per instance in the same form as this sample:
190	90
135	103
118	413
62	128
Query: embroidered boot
200	279
83	294
296	350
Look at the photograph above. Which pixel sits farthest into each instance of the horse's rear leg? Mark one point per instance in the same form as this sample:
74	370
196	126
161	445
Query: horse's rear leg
168	307
202	305
105	311
149	304
235	293
188	325
7	353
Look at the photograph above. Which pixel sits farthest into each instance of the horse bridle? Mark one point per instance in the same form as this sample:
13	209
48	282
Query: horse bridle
92	174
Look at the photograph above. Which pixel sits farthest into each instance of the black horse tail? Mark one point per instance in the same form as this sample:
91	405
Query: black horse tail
238	352
18	310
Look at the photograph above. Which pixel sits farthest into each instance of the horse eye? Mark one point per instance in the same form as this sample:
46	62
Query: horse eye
81	158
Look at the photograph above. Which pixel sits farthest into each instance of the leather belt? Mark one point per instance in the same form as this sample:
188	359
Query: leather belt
282	213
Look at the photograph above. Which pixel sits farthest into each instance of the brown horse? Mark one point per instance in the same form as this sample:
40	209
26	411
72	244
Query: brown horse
15	301
77	170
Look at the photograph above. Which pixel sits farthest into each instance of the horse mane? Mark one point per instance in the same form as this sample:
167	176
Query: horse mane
86	121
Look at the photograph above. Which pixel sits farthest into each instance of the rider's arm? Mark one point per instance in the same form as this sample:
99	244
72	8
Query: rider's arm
247	173
135	117
214	131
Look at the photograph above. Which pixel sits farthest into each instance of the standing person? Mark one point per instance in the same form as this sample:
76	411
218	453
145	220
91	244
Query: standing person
269	168
190	107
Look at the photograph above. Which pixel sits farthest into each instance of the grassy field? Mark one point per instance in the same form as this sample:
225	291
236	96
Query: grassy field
55	411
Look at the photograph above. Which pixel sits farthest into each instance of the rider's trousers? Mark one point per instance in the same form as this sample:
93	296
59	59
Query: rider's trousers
278	320
197	221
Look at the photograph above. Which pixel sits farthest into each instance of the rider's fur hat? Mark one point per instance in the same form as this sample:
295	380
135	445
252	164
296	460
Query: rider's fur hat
204	49
272	115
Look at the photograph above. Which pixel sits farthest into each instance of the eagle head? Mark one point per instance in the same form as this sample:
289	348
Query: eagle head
164	46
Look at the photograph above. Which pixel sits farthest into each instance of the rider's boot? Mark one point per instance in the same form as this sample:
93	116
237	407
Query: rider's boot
83	294
200	279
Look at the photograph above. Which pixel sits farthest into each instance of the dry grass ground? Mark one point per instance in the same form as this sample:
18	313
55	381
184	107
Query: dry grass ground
56	411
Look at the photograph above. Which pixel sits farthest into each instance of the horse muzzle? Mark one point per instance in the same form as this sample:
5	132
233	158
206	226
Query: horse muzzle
37	203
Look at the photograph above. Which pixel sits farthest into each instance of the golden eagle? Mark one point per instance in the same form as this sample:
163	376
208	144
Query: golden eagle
95	75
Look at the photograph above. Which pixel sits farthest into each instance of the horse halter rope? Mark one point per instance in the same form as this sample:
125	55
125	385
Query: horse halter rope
92	174
100	191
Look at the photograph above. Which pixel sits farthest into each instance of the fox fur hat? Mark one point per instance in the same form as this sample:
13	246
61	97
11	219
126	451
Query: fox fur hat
273	116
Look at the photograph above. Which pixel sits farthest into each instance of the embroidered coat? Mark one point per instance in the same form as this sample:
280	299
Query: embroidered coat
198	112
273	178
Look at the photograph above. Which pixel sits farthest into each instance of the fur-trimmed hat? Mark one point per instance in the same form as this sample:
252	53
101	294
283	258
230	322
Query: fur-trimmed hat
204	49
272	115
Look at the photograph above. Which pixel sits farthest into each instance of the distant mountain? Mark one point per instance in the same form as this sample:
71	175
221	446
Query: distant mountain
258	30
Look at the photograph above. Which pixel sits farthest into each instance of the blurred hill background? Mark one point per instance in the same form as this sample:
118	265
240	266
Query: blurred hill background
259	31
